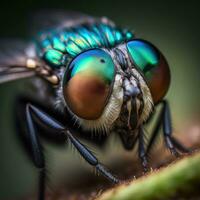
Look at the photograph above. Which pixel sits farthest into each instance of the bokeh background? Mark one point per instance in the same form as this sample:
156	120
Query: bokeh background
173	26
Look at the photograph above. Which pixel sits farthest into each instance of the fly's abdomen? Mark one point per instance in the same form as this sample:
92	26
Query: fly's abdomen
58	47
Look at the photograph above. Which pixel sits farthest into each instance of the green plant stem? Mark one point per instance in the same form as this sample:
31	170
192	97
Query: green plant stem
178	180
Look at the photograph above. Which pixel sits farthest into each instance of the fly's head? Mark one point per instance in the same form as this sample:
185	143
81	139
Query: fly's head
100	84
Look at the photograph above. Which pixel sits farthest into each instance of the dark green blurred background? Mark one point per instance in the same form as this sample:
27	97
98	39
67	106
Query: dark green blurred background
173	26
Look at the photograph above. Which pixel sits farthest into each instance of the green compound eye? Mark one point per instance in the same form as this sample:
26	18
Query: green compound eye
144	55
88	83
96	62
153	65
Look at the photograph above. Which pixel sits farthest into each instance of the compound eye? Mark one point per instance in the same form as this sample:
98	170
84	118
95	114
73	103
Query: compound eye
88	82
149	60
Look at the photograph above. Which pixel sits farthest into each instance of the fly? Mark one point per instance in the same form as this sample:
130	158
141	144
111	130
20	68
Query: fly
102	78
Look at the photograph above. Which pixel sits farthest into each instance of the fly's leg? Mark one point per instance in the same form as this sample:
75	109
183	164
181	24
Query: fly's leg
36	152
171	142
90	158
141	150
165	120
38	157
155	132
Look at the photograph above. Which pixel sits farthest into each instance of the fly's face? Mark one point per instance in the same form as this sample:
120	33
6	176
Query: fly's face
100	84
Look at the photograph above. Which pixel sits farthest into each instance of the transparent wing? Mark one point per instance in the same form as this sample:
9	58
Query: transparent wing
13	60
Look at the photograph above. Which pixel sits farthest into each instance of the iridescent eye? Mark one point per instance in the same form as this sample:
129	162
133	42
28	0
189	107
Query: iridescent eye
149	60
88	82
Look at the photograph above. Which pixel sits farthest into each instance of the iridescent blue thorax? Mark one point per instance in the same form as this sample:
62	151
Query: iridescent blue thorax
59	46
